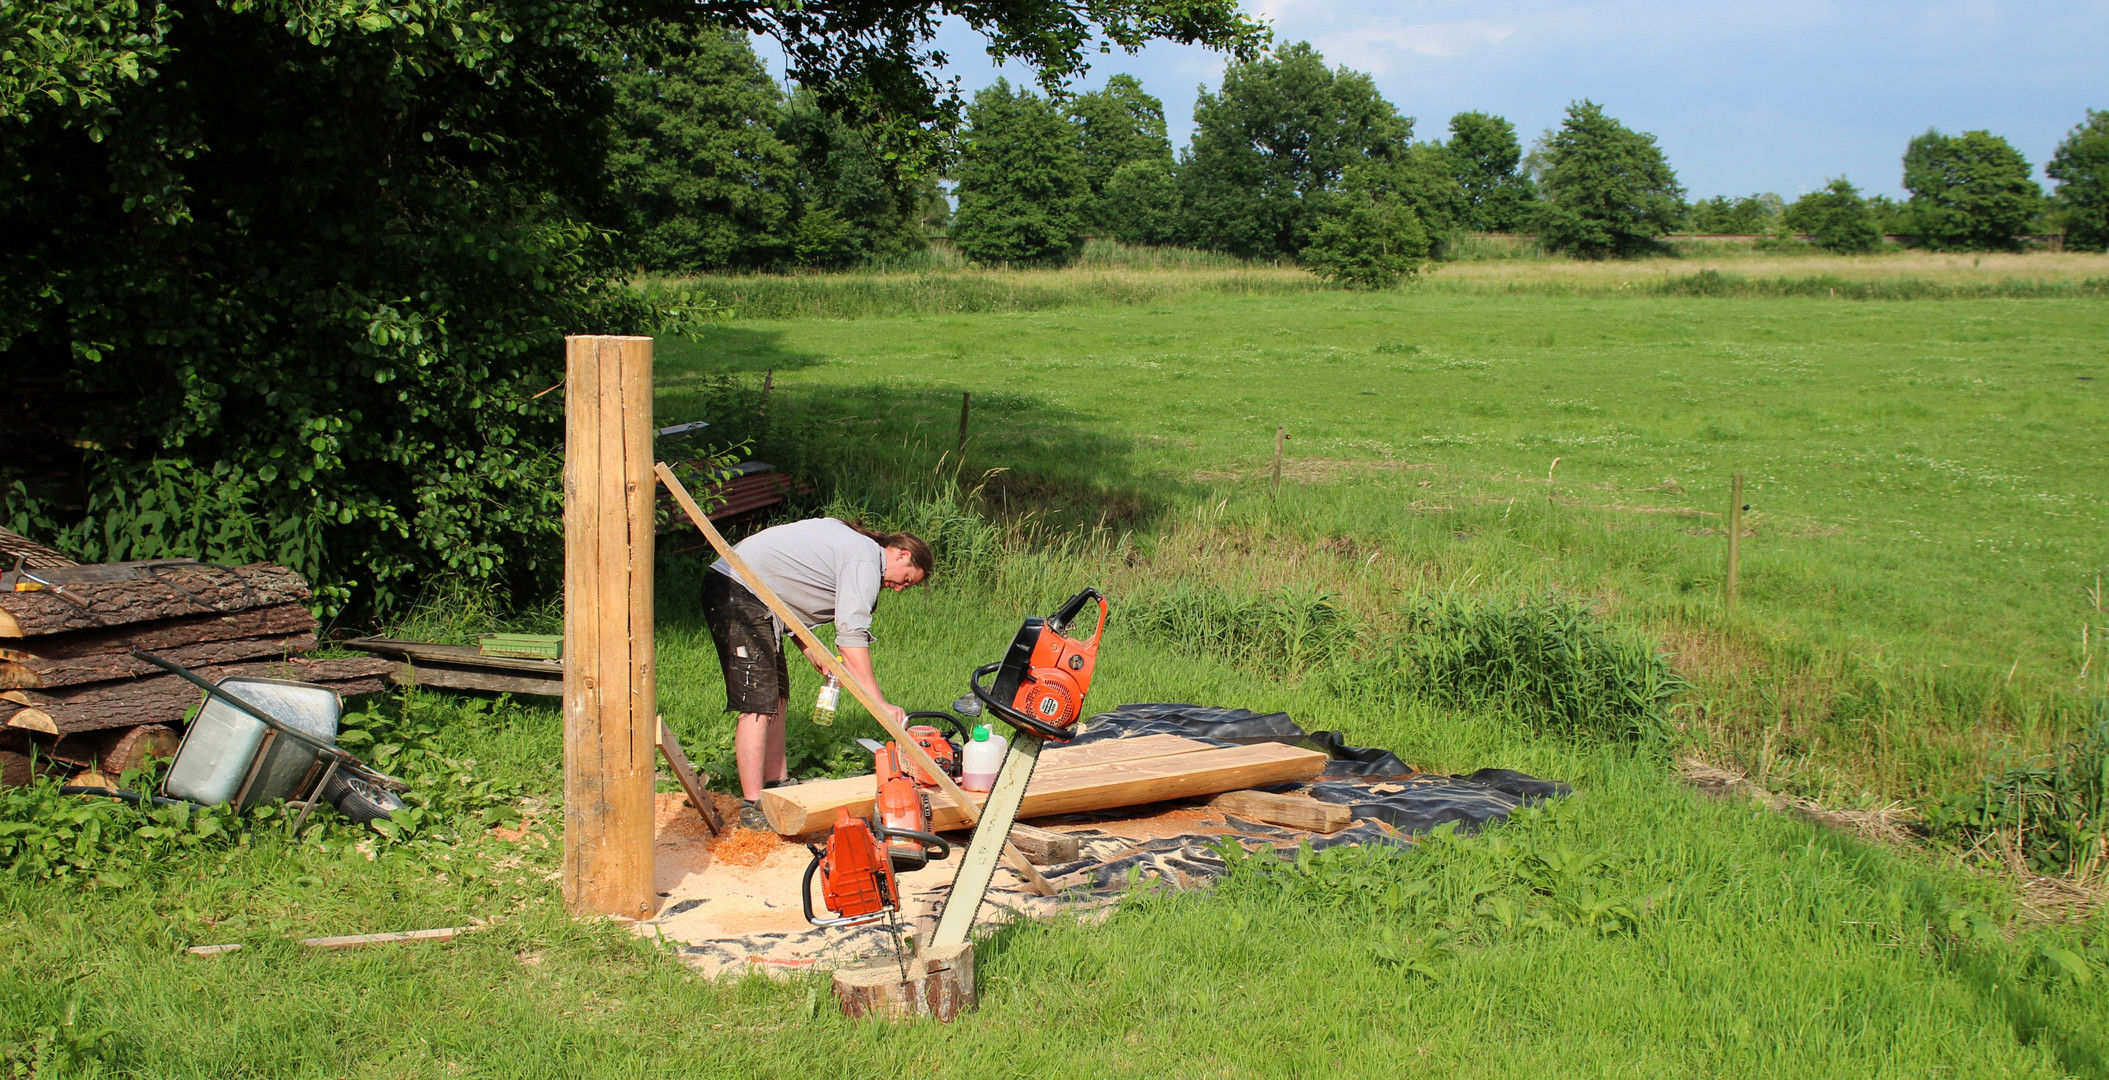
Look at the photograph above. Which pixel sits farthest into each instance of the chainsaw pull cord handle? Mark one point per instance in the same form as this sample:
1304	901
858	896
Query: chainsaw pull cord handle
1025	724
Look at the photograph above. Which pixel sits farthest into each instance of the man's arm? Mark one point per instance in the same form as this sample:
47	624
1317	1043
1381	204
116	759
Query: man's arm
858	661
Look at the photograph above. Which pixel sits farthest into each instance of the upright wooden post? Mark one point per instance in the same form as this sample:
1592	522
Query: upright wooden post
611	728
1735	540
1281	435
966	403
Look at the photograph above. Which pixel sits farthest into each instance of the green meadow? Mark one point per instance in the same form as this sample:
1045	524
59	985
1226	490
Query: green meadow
1925	529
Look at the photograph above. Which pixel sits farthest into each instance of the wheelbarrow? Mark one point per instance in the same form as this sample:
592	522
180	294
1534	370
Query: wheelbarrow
257	740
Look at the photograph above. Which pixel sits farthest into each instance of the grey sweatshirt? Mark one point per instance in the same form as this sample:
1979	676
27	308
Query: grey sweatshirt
825	570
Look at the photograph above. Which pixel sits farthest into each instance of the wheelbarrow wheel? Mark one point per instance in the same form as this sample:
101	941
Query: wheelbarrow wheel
359	800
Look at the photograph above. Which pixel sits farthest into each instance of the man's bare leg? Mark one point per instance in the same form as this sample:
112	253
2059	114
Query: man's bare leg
774	767
750	749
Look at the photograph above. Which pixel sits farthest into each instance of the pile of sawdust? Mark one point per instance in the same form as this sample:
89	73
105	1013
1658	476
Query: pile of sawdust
745	847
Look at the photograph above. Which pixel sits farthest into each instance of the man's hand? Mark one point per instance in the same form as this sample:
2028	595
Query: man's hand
813	657
900	715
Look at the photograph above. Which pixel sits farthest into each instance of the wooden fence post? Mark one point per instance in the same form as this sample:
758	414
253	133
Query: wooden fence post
1735	540
1281	435
966	403
610	694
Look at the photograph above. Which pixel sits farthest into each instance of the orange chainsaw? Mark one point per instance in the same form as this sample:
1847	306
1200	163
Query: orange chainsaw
1042	678
857	865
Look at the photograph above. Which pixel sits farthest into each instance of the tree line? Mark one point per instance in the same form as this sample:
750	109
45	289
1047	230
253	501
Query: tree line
1293	159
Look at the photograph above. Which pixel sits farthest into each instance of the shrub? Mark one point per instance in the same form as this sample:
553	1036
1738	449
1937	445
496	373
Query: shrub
2053	812
1542	658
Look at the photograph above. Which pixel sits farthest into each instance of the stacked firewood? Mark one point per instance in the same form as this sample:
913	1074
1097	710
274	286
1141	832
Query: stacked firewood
70	685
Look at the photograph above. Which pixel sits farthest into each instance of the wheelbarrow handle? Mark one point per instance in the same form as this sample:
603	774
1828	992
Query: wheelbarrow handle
330	751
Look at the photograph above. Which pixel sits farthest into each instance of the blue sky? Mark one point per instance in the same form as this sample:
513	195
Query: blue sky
1743	97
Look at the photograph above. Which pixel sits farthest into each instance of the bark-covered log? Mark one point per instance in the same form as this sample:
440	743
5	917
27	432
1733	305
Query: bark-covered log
121	594
34	556
276	620
163	699
40	673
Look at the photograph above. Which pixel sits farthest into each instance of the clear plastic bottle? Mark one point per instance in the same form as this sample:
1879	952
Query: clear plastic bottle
829	698
981	759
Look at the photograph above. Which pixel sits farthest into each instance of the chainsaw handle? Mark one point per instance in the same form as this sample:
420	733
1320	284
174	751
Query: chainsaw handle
1025	724
1067	613
958	726
805	895
928	840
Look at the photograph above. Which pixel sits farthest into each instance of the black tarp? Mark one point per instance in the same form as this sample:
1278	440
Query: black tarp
1374	784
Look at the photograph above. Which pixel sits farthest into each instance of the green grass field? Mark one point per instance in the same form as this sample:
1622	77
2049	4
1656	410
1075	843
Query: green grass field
1926	524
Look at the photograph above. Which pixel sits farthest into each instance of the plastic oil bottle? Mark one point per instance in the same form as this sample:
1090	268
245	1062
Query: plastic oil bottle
824	704
982	757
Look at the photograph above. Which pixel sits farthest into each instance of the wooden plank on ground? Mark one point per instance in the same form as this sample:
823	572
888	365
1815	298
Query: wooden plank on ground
1293	811
458	677
812	805
45	673
166	592
1099	787
465	656
1044	847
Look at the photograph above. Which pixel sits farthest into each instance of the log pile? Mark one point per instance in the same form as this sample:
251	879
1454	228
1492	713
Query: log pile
66	669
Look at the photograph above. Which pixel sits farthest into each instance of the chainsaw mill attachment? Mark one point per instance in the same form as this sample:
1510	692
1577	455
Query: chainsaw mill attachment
1042	678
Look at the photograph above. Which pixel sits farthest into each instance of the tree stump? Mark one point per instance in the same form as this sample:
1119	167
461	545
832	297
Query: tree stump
940	984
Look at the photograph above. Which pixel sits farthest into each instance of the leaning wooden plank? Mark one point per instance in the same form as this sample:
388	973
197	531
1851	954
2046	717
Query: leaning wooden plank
812	806
278	620
43	673
457	655
458	677
1100	787
1294	811
163	699
167	591
685	775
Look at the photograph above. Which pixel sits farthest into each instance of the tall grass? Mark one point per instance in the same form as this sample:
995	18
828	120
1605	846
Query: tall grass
972	291
2052	812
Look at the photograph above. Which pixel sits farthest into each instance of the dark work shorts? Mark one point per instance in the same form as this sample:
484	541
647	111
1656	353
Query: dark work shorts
749	650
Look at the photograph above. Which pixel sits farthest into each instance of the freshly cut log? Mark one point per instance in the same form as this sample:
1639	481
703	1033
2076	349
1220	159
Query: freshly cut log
276	620
818	800
41	673
1096	787
940	984
120	594
163	699
1294	811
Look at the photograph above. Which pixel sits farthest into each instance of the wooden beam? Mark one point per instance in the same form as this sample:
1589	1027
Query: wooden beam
1293	811
1044	847
610	693
815	802
857	689
458	655
460	677
1103	787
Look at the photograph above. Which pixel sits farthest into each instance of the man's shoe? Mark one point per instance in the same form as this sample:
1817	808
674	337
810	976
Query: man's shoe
751	817
785	782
